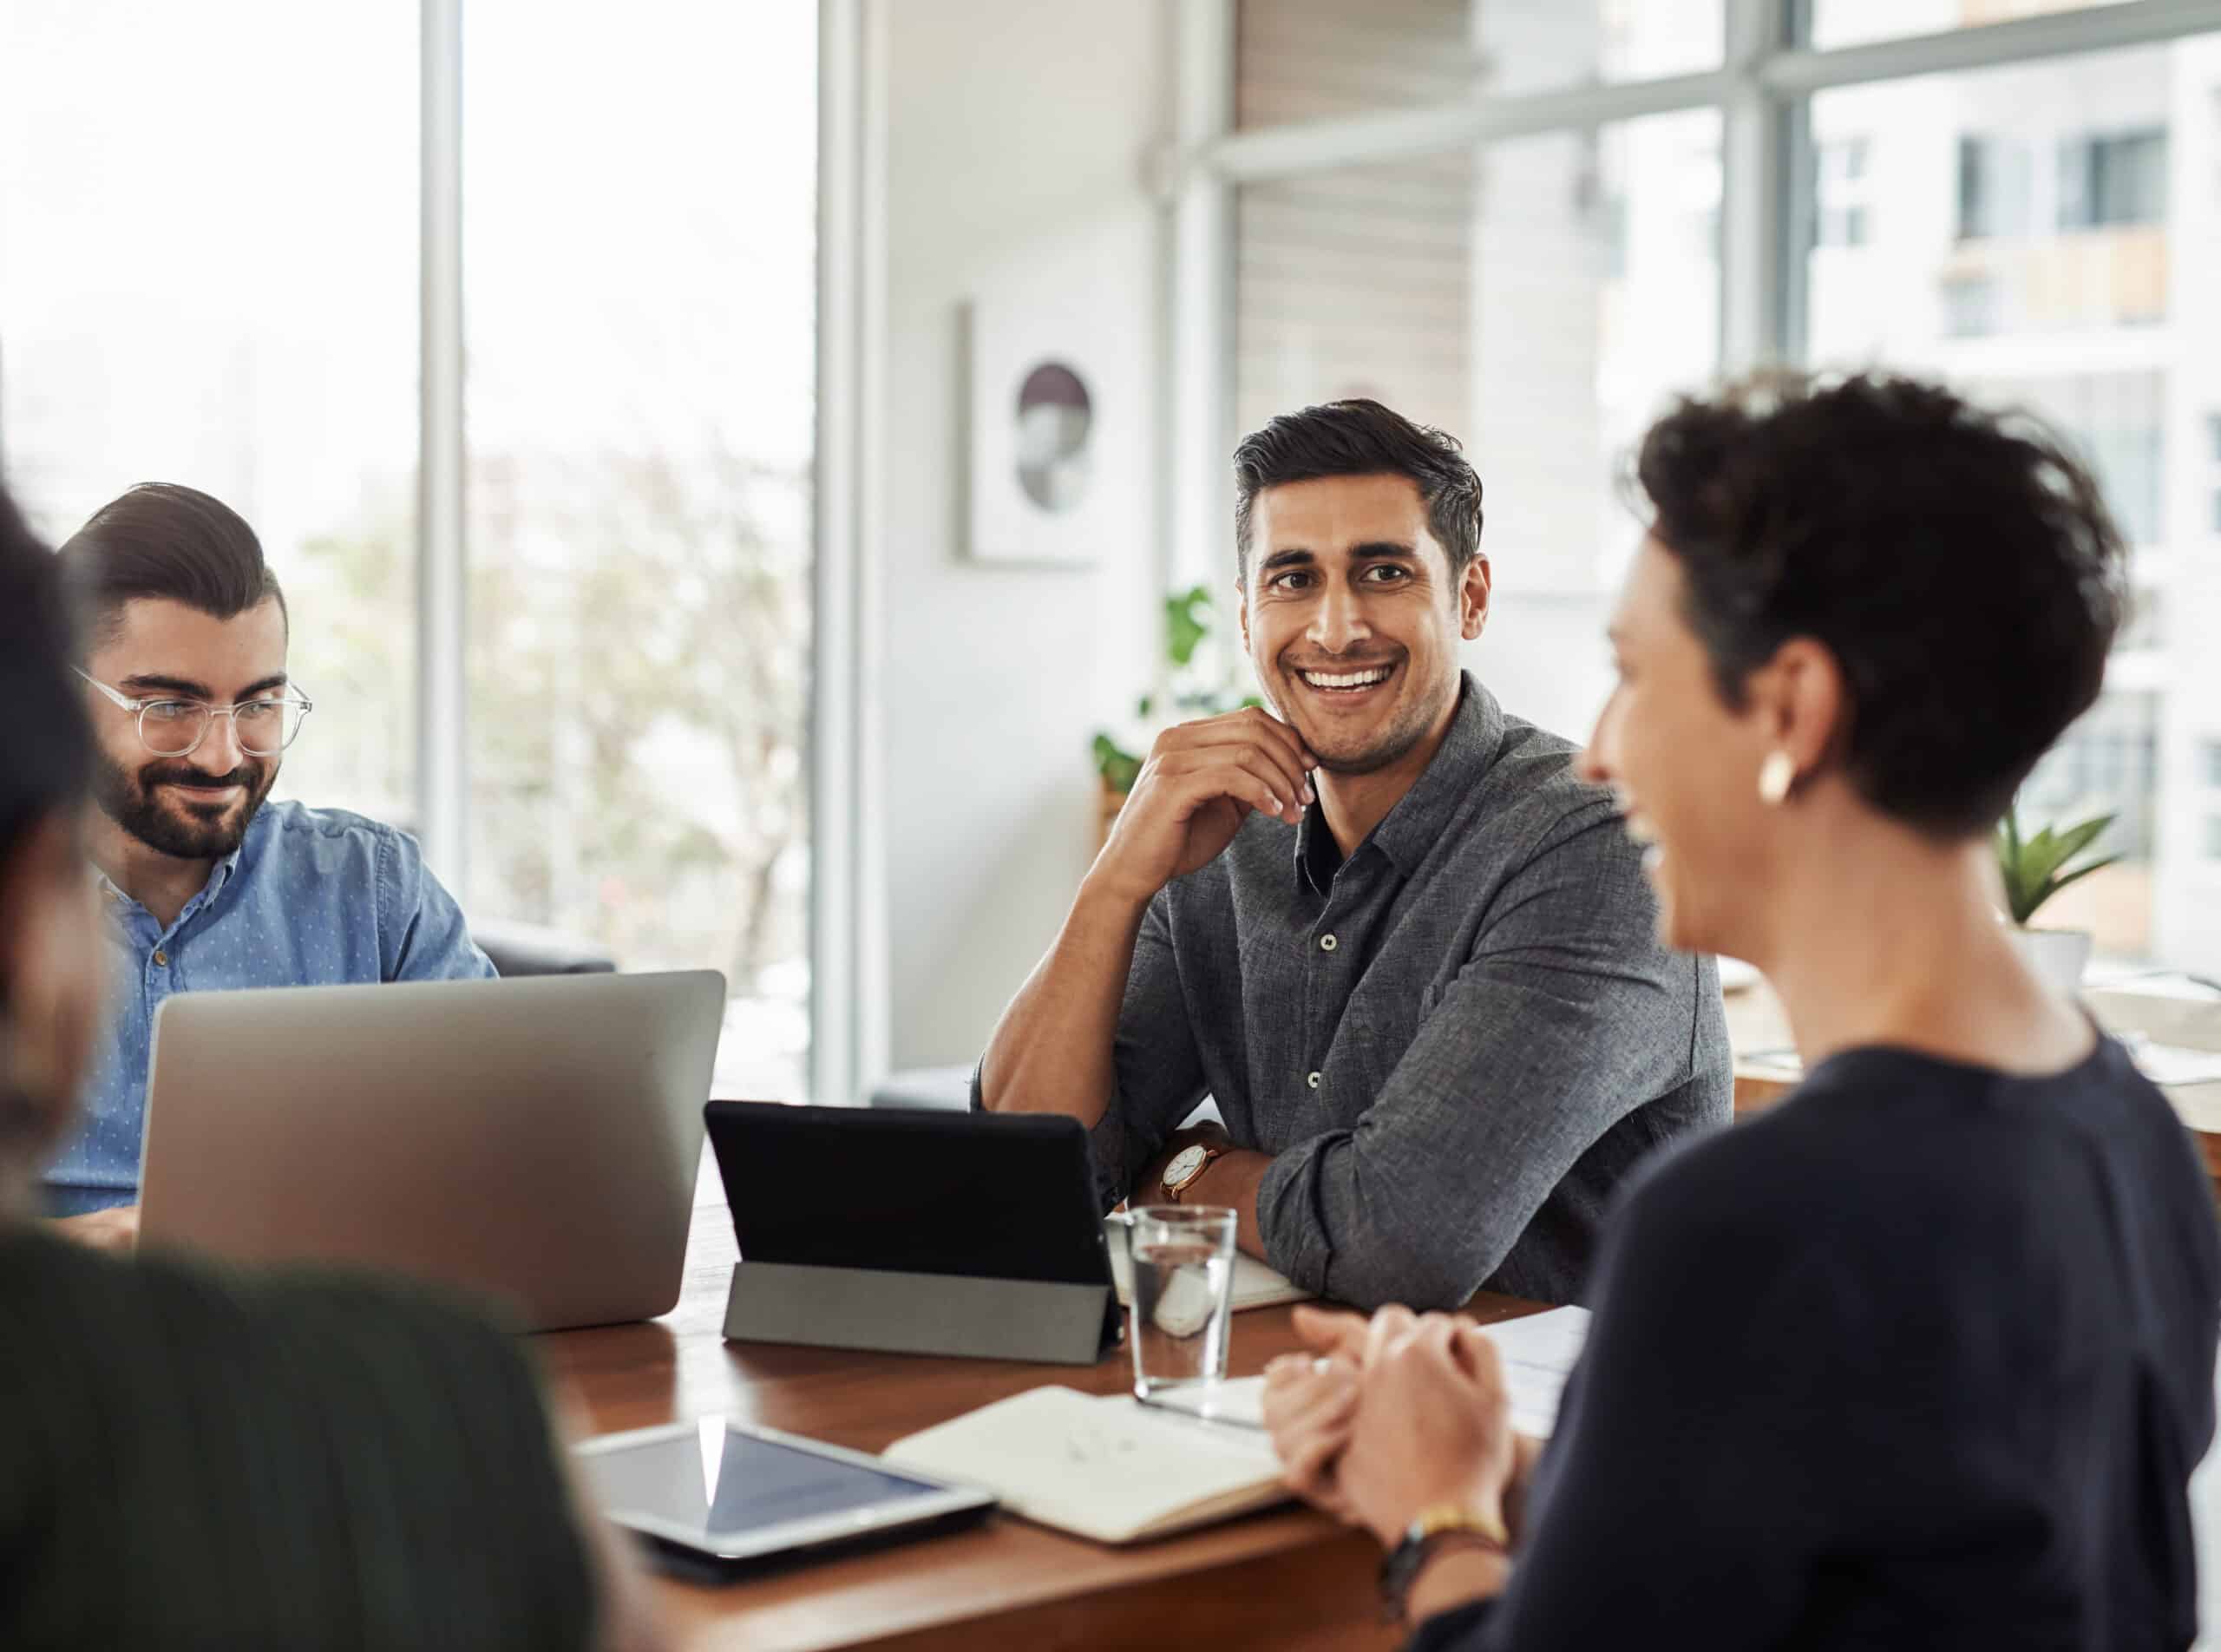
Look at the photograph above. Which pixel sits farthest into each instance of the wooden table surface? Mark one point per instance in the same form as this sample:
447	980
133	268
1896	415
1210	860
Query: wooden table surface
1288	1578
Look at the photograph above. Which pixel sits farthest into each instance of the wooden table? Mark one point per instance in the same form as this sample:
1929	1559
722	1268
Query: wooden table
1288	1579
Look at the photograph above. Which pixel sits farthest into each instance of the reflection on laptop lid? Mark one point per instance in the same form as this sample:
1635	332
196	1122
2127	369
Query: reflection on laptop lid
535	1140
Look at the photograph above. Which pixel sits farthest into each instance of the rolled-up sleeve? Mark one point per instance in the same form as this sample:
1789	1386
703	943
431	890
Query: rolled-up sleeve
1157	1070
1565	1017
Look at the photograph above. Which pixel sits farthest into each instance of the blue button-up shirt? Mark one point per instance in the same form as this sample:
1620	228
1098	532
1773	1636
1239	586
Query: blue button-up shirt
313	897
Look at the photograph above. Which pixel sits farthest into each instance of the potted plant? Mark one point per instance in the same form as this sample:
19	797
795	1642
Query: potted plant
1187	621
2034	870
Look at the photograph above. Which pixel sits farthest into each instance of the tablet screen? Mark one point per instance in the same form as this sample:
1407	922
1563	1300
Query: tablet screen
728	1484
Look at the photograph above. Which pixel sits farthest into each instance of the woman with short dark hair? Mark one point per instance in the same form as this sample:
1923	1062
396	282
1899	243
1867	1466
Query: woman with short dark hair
1923	1356
195	1457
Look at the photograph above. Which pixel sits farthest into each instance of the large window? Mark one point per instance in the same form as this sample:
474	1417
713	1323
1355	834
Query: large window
636	297
1575	210
1302	59
210	272
208	275
2048	280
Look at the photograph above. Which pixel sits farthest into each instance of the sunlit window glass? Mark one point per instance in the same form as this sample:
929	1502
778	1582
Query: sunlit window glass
210	277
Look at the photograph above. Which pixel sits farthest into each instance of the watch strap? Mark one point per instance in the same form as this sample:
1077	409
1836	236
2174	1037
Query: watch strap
1434	1531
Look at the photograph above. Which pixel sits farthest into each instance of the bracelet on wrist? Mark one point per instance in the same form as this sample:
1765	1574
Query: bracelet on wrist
1435	1531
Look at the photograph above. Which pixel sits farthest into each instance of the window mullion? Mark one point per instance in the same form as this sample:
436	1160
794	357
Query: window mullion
441	585
1754	170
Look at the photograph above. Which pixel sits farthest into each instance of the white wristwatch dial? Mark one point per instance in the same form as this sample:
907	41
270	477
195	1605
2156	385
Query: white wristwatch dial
1186	1165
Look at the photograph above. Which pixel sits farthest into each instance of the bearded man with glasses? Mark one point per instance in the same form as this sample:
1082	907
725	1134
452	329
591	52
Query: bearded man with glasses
204	887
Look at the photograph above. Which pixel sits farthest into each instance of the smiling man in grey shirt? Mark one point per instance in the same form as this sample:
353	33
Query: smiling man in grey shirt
1408	953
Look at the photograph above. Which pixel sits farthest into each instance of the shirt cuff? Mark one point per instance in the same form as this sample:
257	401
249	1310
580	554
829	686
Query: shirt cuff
1289	1217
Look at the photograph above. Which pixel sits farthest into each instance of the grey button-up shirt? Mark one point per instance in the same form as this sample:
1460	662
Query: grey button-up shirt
1455	1043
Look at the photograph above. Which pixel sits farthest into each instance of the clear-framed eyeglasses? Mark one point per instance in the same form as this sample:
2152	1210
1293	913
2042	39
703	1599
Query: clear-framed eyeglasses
171	727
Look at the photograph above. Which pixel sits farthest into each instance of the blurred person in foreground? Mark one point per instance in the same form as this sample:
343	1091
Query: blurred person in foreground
206	885
1923	1356
194	1458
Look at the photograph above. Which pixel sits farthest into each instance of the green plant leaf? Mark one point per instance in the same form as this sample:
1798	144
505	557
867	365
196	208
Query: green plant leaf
2035	869
2077	838
2079	874
1118	767
1186	622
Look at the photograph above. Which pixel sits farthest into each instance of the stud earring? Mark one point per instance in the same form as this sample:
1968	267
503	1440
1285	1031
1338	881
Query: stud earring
1776	775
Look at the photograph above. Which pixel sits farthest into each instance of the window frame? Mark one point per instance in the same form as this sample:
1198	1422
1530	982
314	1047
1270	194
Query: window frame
1763	90
846	940
1768	75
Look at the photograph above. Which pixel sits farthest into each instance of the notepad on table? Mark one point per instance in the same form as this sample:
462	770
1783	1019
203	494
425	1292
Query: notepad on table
1256	1285
1100	1466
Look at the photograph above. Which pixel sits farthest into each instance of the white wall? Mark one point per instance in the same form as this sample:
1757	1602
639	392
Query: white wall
1016	135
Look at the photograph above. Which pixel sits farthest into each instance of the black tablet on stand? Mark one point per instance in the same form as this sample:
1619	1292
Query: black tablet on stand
915	1232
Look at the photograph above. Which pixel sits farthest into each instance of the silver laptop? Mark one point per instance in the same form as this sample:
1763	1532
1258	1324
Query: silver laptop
533	1140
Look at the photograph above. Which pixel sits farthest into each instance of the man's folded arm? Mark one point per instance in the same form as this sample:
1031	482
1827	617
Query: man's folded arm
1567	1015
1156	1071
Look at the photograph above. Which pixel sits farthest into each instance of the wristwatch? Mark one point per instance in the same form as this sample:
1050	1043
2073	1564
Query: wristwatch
1185	1166
1441	1526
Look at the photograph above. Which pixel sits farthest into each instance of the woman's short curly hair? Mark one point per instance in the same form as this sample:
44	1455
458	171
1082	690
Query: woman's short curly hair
1960	564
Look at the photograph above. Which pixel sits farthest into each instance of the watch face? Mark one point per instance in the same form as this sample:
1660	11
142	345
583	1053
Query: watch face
1186	1165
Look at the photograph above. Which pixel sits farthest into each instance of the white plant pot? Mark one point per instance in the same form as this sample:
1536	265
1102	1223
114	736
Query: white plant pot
2056	955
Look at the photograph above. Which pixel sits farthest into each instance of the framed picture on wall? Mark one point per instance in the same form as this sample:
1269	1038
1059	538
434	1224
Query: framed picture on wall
1034	423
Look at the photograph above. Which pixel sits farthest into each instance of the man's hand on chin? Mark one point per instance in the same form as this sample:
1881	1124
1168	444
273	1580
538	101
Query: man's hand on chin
1150	1189
115	1230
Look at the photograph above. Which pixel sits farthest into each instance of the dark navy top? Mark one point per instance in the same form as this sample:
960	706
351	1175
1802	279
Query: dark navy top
1924	1357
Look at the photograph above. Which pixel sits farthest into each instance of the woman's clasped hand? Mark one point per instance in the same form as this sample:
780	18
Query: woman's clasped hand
1391	1416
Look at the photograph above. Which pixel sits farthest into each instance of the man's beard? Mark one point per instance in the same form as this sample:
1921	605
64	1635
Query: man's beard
190	831
1386	746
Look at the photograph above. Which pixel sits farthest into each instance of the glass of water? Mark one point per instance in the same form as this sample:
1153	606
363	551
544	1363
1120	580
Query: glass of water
1183	1258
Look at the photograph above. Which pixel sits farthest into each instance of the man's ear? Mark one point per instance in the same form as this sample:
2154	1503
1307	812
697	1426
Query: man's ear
1474	597
1242	610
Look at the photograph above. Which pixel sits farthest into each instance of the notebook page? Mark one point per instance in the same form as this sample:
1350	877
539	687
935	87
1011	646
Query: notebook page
1097	1464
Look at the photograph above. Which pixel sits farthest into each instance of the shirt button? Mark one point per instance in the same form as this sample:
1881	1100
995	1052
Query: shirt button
1313	1081
1327	943
162	958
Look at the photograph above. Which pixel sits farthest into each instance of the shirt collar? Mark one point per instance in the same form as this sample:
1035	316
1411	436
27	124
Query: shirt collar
1422	814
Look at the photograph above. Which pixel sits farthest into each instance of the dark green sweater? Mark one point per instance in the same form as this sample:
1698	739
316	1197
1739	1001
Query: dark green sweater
191	1459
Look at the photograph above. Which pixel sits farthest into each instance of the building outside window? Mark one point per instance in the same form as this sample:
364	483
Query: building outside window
2010	229
1995	180
1844	196
2107	181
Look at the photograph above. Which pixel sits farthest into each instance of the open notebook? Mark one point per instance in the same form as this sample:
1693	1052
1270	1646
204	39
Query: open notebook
1100	1465
1256	1285
1106	1467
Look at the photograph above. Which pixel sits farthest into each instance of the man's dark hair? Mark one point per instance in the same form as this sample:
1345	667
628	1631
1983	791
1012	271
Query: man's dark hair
45	741
1960	565
1360	439
174	543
